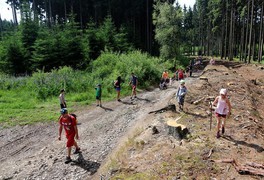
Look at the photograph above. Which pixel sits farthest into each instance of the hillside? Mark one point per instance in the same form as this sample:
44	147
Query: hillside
117	140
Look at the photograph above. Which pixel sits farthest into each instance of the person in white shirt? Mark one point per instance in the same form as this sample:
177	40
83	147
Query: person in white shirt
223	109
62	99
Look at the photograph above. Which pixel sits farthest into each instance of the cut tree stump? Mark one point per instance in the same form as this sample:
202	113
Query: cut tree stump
178	131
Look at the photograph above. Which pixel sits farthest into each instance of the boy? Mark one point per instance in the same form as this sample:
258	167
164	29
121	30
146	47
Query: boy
62	99
69	123
98	95
134	83
223	109
180	95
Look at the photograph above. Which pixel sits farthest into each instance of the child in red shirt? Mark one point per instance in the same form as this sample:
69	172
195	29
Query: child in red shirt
70	126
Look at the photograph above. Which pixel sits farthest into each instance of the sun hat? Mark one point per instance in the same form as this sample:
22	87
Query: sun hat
223	91
64	111
182	82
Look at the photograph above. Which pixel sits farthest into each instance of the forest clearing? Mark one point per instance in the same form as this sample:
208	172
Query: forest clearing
117	140
57	54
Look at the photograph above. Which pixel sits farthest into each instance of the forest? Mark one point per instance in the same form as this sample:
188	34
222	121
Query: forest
74	45
55	33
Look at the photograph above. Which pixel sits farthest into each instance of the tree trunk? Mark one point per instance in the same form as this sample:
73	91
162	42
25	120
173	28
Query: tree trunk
246	41
81	16
226	29
223	36
1	28
230	48
242	40
65	11
250	32
178	131
13	6
260	35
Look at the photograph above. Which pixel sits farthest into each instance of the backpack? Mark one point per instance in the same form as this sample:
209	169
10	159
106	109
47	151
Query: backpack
180	74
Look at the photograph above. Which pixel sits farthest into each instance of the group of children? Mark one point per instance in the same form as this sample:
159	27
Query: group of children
69	121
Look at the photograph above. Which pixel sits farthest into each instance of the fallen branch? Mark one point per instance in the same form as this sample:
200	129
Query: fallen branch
210	152
249	168
255	165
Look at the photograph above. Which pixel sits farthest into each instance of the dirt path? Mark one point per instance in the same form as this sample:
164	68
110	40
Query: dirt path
33	152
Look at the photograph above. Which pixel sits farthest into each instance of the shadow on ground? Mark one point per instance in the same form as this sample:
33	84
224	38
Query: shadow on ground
254	146
106	109
87	165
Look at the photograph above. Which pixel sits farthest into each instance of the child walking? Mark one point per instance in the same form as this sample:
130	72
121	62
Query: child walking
180	95
98	95
70	126
223	109
117	85
62	99
133	82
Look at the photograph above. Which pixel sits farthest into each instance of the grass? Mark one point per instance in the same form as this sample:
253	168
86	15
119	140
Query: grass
23	107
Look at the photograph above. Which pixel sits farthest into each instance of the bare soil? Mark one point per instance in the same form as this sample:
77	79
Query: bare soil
33	151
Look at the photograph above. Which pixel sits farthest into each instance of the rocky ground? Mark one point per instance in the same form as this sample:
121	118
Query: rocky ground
118	142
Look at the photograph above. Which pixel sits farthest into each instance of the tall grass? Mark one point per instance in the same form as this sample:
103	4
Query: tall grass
25	100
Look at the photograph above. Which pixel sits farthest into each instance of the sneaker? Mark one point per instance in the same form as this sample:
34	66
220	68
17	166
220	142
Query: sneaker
135	96
68	159
218	134
119	100
77	151
97	105
223	130
131	97
100	105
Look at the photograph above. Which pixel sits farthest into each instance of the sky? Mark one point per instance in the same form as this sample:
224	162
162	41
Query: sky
6	11
186	2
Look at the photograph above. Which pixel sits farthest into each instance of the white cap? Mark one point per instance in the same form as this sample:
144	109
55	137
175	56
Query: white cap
182	82
223	91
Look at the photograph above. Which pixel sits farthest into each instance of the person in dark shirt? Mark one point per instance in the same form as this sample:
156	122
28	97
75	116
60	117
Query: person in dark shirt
133	82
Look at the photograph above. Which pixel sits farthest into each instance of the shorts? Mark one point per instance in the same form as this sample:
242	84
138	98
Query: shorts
134	87
70	140
220	115
118	88
62	106
181	100
98	97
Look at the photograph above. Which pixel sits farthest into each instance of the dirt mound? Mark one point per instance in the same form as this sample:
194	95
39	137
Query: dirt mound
122	139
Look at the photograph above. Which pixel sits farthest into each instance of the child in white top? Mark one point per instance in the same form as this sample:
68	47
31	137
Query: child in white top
223	109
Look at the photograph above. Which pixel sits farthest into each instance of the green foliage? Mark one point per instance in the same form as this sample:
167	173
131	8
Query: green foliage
168	22
107	38
60	47
146	68
49	84
12	55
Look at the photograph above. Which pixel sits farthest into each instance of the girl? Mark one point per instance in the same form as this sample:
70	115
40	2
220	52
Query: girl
117	85
180	95
223	108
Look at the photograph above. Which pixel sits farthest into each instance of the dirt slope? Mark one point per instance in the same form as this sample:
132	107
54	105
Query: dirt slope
33	152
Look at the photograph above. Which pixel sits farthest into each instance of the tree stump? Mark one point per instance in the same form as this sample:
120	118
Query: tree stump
178	131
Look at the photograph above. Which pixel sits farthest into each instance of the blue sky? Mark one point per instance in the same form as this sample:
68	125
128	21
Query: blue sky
6	12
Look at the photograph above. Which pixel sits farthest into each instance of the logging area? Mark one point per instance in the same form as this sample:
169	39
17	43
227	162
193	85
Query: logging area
149	138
